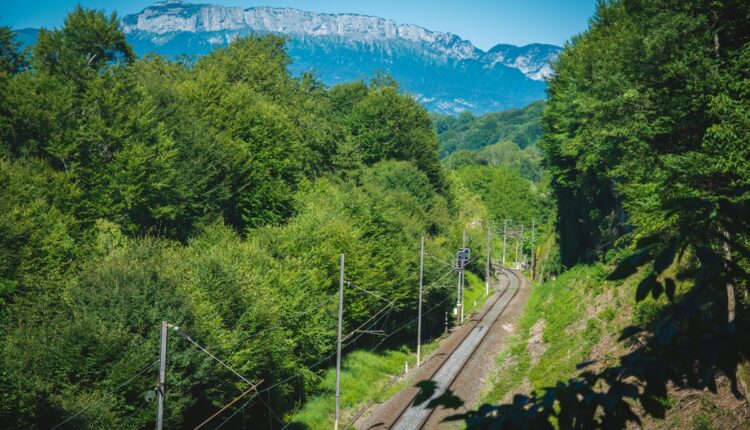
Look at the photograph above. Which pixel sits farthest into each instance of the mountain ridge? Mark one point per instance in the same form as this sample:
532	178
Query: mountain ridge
444	72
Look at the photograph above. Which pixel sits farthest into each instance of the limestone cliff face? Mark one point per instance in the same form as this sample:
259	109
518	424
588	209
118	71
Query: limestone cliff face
446	73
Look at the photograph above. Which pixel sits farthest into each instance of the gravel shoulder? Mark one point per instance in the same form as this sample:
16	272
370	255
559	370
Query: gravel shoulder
469	382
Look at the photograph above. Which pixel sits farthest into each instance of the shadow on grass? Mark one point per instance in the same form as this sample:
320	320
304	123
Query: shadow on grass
691	342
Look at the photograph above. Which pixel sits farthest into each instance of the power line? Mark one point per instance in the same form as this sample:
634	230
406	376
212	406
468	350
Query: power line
439	260
368	292
309	311
410	322
90	405
228	405
187	337
270	409
237	411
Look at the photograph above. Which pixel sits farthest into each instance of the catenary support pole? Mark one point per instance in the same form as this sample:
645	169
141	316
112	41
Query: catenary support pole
419	307
463	299
505	234
533	263
458	292
520	246
338	344
162	377
487	272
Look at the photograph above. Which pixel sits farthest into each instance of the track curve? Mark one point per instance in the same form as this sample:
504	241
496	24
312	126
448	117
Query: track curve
415	417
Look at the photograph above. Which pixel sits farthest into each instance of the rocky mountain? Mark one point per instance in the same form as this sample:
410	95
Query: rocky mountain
444	72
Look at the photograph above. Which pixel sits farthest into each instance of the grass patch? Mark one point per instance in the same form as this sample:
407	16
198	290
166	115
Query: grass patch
367	377
568	336
474	290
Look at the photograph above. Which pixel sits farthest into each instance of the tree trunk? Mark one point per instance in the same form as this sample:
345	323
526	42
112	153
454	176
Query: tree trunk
731	316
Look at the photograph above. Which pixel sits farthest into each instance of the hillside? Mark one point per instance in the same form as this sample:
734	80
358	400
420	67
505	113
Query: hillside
217	196
578	318
445	73
467	132
644	140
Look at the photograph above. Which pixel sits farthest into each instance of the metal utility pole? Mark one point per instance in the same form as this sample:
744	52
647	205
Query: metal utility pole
505	234
338	344
419	310
463	303
462	257
532	248
520	246
487	273
162	377
458	293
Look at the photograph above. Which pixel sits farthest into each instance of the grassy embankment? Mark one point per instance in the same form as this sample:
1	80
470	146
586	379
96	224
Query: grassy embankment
578	317
368	377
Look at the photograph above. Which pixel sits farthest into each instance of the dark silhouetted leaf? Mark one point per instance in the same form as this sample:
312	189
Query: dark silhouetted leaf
669	288
629	265
447	400
644	287
628	332
426	391
665	257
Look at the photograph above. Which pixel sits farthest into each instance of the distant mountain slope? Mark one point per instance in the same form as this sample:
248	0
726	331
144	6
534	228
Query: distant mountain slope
469	132
445	73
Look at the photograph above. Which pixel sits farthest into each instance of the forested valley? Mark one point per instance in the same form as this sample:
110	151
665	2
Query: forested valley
218	193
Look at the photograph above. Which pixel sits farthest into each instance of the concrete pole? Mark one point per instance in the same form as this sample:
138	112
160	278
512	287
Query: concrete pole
487	273
520	246
419	308
458	293
505	234
463	299
533	263
338	344
162	377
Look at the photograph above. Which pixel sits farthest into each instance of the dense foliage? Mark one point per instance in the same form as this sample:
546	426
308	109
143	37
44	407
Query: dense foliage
646	140
215	194
469	132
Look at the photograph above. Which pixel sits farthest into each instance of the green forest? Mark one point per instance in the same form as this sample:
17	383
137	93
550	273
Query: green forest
218	193
646	141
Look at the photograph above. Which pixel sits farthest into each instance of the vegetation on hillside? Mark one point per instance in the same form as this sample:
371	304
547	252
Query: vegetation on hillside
217	195
469	132
646	141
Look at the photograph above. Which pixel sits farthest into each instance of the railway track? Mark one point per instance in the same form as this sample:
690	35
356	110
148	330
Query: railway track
411	418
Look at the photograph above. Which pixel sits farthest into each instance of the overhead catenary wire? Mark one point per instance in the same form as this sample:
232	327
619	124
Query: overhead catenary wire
258	392
368	291
270	409
348	337
187	337
410	322
439	260
101	398
228	405
237	411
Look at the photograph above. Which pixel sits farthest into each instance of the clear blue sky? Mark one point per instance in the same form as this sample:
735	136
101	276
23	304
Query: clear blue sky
484	22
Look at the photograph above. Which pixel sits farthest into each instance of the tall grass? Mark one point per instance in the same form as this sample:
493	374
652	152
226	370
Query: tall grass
369	377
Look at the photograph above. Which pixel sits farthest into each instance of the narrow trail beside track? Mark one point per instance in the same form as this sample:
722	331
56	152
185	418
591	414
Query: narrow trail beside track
461	363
